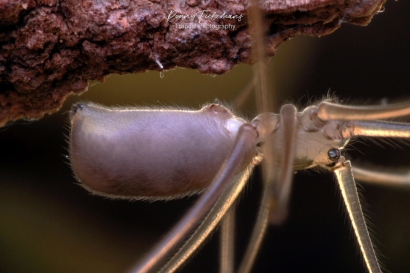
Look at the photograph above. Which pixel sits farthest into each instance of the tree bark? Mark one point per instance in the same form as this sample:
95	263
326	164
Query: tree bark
50	49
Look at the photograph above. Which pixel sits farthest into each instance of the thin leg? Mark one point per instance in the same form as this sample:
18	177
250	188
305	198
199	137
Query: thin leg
240	100
258	231
382	177
227	249
246	91
210	222
264	104
331	111
376	129
274	203
263	95
288	126
347	186
243	147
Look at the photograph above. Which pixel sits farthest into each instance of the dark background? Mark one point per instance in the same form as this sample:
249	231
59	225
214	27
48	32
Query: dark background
50	224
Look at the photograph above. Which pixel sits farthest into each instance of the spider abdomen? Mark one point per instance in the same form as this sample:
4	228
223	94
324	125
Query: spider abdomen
147	153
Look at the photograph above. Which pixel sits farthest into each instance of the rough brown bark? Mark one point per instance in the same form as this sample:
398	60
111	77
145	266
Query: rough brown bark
50	48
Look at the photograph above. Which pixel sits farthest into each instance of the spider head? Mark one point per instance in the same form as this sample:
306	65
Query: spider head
315	148
317	143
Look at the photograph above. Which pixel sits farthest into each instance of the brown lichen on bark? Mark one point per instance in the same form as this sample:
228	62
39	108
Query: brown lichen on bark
50	48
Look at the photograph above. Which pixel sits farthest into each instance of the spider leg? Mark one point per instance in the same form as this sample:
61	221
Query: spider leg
247	90
243	95
330	111
274	203
227	249
243	147
376	129
264	104
209	223
382	177
288	126
344	175
264	98
259	229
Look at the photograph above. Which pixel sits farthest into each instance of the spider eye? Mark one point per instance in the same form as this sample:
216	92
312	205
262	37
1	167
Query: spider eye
333	154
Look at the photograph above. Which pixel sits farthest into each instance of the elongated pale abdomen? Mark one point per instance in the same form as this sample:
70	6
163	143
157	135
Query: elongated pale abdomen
148	153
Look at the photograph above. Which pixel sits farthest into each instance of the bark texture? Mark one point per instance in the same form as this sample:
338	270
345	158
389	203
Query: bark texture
51	48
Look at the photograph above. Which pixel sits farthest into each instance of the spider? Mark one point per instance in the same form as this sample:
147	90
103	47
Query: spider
313	137
133	153
346	64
